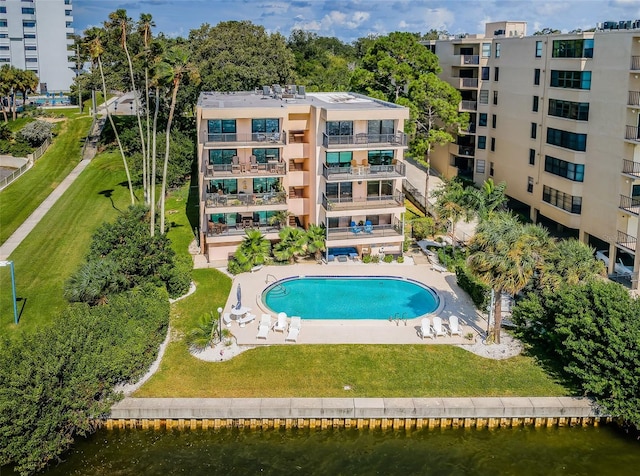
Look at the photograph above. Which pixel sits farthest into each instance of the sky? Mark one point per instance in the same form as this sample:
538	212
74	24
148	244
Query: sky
352	19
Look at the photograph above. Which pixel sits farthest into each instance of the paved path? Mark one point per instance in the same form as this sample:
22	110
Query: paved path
30	223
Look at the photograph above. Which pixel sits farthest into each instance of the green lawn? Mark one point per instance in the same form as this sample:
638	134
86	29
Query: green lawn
58	244
22	197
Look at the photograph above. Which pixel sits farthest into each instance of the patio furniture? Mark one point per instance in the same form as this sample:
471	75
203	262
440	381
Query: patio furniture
264	326
226	318
246	319
235	164
281	323
253	163
294	329
437	327
454	325
330	258
354	256
425	329
354	228
368	227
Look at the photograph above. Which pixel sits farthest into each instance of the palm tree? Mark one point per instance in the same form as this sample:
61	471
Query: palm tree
316	241
254	247
96	49
505	255
5	87
291	245
488	199
569	262
280	218
174	68
452	205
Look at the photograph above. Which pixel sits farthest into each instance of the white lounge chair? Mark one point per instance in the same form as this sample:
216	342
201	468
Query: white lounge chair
437	327
281	323
226	318
294	329
425	329
264	326
246	319
454	326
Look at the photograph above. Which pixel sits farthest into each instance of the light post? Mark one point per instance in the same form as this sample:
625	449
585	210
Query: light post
13	289
220	324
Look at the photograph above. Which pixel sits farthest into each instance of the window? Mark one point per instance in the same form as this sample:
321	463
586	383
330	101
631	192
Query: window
480	164
265	126
571	79
485	73
536	77
3	9
482	119
5	48
381	130
222	130
495	98
484	96
568	140
339	159
562	200
538	49
532	157
4	60
28	11
494	120
482	142
564	169
340	128
3	23
380	157
534	130
67	2
530	184
28	24
4	35
491	168
69	24
67	13
493	145
580	48
29	36
497	50
486	50
536	100
221	156
496	73
265	155
569	109
31	60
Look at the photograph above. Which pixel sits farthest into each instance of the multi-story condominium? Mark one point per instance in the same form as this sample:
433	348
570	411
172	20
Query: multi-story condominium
557	118
331	159
37	35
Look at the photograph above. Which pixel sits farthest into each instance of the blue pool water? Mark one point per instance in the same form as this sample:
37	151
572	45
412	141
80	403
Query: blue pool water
350	297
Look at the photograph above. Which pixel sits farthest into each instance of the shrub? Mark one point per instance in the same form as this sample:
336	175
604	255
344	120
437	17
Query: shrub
423	228
366	258
20	148
400	259
478	291
375	258
36	132
388	258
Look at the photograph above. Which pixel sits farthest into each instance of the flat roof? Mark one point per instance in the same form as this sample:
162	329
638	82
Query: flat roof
327	100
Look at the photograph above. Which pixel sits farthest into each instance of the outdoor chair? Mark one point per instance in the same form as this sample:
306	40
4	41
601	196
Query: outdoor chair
354	228
437	327
368	227
254	163
425	329
244	320
294	329
281	323
454	326
264	326
235	164
226	318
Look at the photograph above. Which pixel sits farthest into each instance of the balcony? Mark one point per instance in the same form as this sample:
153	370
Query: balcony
626	241
630	204
259	139
635	63
363	172
634	98
468	150
358	233
466	105
630	167
364	140
270	168
238	230
231	200
632	133
466	83
371	202
469	60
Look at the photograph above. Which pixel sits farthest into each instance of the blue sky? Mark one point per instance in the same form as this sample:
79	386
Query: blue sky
352	19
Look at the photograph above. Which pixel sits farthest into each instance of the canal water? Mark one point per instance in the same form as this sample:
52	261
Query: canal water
603	450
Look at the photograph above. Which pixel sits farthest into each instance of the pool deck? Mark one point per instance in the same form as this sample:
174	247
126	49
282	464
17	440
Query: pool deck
453	301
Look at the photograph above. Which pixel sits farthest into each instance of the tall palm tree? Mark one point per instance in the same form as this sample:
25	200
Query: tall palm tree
120	20
28	82
316	241
569	262
505	255
96	49
5	87
255	248
291	245
174	68
452	205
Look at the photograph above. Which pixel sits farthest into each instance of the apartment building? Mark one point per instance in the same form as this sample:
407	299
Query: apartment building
37	35
331	159
556	117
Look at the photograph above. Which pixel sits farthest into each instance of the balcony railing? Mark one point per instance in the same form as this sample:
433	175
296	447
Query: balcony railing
350	203
632	133
363	172
626	241
216	200
468	83
466	150
634	98
239	228
365	231
635	63
469	59
630	204
630	167
365	140
272	167
249	138
467	105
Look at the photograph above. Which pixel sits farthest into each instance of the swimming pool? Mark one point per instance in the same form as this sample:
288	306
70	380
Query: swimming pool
350	297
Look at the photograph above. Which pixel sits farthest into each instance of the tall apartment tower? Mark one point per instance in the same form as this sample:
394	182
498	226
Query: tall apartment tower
557	118
37	35
330	159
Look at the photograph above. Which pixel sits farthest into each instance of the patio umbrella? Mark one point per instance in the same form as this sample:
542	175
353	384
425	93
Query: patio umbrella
239	295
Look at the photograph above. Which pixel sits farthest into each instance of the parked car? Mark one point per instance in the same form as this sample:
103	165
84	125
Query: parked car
620	267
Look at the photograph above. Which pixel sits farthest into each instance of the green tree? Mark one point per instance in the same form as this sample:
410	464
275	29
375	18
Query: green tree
487	199
569	262
207	332
505	254
291	245
254	250
316	241
36	132
452	205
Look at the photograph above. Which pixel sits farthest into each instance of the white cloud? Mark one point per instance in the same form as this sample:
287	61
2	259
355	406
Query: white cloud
438	18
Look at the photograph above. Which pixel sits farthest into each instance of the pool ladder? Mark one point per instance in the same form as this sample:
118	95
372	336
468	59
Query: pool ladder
396	318
278	287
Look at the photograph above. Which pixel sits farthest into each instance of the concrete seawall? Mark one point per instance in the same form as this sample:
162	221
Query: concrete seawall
353	412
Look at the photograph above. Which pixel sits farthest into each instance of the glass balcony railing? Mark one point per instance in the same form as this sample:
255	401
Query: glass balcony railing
364	140
217	200
271	167
261	138
350	203
365	231
363	172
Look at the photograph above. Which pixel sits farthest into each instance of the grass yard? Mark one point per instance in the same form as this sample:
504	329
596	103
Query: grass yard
324	370
22	197
58	244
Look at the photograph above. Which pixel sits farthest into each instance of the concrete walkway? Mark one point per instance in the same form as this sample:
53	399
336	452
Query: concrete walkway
30	223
